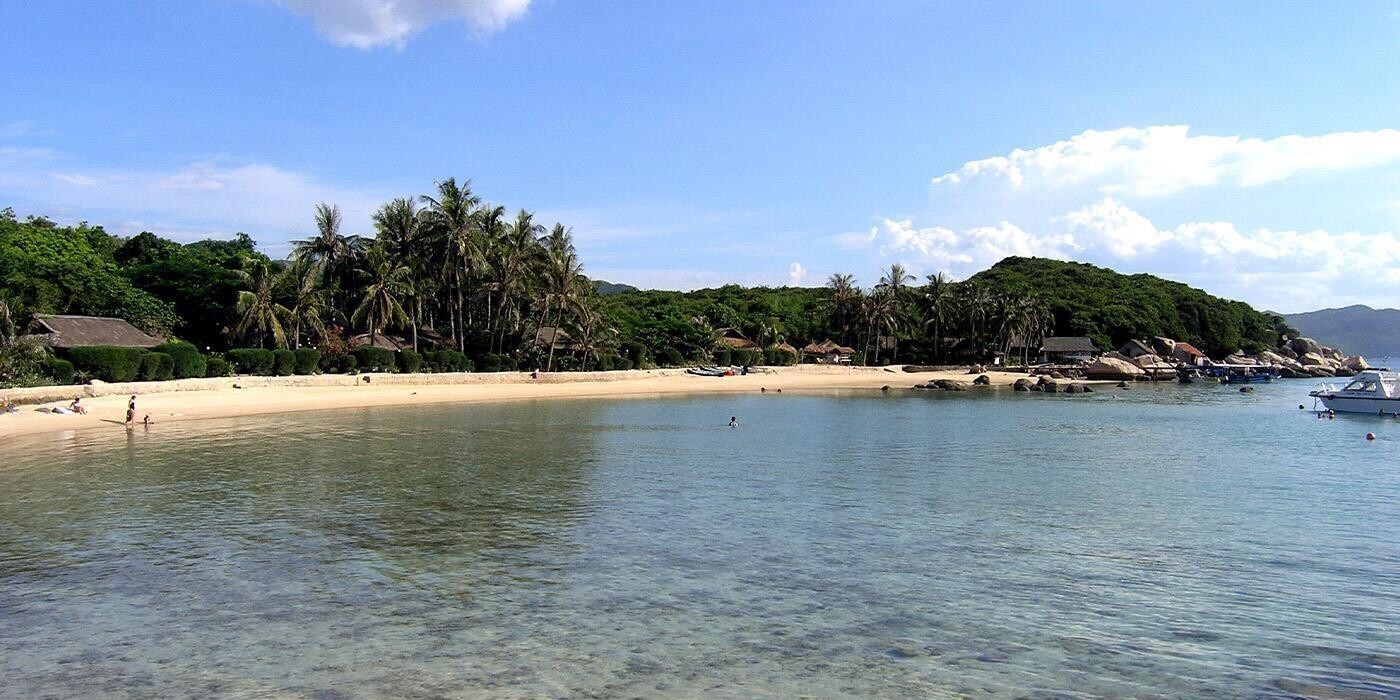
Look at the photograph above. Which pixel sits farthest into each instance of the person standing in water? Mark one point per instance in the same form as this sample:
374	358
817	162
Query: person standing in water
131	410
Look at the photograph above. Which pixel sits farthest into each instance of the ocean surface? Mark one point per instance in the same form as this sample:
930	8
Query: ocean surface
1162	541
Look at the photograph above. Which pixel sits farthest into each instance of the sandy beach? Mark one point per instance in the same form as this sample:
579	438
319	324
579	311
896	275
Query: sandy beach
168	402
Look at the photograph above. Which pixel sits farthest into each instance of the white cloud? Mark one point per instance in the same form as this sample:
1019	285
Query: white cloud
1163	160
367	24
796	273
196	200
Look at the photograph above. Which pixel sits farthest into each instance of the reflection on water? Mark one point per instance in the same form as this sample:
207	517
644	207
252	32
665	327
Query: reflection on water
1162	541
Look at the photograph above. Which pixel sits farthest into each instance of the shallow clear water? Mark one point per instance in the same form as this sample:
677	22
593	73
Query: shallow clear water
1157	542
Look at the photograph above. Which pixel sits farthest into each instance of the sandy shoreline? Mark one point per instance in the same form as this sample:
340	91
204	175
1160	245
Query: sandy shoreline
203	399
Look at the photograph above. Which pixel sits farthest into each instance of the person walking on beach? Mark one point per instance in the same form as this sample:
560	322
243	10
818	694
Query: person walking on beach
131	411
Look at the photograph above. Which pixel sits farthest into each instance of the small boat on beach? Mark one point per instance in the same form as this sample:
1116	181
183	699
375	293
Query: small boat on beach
1371	391
710	372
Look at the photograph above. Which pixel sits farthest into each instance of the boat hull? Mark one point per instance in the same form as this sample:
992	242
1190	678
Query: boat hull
1373	406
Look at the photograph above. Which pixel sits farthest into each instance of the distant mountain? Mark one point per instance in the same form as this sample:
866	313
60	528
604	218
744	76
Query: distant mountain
1353	329
606	288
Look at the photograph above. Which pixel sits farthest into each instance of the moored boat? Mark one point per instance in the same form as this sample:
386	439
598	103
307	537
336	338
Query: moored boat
1371	391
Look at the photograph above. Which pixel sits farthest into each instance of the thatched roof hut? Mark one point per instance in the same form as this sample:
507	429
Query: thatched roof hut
61	331
827	351
558	337
388	342
734	340
784	347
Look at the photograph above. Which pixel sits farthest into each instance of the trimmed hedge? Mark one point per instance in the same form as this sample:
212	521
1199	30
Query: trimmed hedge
107	362
673	357
492	362
723	357
251	361
636	353
776	357
745	358
409	360
372	359
338	364
447	361
157	367
60	370
284	362
308	360
188	360
216	367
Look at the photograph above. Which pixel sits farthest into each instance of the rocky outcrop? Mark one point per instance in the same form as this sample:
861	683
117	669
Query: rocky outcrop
1023	384
1303	346
1312	359
982	380
1112	368
1356	363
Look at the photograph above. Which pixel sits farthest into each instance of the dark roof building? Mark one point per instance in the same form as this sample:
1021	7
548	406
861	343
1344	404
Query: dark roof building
1068	345
61	331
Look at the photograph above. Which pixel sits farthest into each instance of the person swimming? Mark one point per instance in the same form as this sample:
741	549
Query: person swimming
733	421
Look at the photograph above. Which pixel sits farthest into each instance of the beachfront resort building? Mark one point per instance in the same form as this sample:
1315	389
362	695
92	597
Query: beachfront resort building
827	353
1074	349
1189	354
63	332
735	340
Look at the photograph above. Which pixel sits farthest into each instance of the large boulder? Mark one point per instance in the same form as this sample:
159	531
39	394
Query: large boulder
1303	346
948	385
1273	358
1320	371
1332	354
1112	368
1356	363
1288	352
1312	359
1343	372
1236	358
1023	384
982	380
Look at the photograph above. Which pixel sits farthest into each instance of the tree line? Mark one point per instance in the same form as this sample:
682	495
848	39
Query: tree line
449	270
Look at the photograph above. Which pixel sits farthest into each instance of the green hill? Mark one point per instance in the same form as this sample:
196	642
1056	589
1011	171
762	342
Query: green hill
1357	329
1111	307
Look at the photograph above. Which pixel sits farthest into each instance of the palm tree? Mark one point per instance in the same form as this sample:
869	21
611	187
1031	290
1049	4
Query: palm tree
518	249
307	298
976	303
380	304
845	301
399	228
938	300
450	223
895	283
258	313
562	280
327	247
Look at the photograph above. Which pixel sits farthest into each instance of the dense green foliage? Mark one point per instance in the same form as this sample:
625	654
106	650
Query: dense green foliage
109	364
308	360
1112	308
156	367
217	367
61	370
489	288
189	362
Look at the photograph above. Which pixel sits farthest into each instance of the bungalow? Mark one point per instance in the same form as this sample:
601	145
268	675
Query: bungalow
559	338
1133	349
785	348
62	332
827	353
734	340
1068	349
1186	352
388	342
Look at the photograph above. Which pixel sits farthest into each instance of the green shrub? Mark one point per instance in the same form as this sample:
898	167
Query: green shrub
673	357
620	362
636	353
284	362
308	360
409	361
372	359
108	363
156	367
606	363
216	367
566	363
255	361
338	364
723	357
60	370
188	360
492	362
745	358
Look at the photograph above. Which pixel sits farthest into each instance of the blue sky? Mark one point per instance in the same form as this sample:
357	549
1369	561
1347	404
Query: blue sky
1249	149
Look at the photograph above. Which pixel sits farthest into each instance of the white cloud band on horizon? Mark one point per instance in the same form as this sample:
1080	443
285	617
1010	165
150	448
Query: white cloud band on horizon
367	24
1162	160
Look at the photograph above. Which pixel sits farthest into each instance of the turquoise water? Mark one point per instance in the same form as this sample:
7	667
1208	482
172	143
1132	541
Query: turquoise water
1158	542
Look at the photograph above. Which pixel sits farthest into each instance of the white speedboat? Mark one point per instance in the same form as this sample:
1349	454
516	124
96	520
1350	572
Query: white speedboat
1371	391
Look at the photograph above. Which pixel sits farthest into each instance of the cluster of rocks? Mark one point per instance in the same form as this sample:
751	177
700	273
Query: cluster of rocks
1304	357
1050	386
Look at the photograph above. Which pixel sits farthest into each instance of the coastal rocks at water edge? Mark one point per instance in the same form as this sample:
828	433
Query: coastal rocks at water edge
944	385
982	380
1312	359
1024	384
1113	368
1303	346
